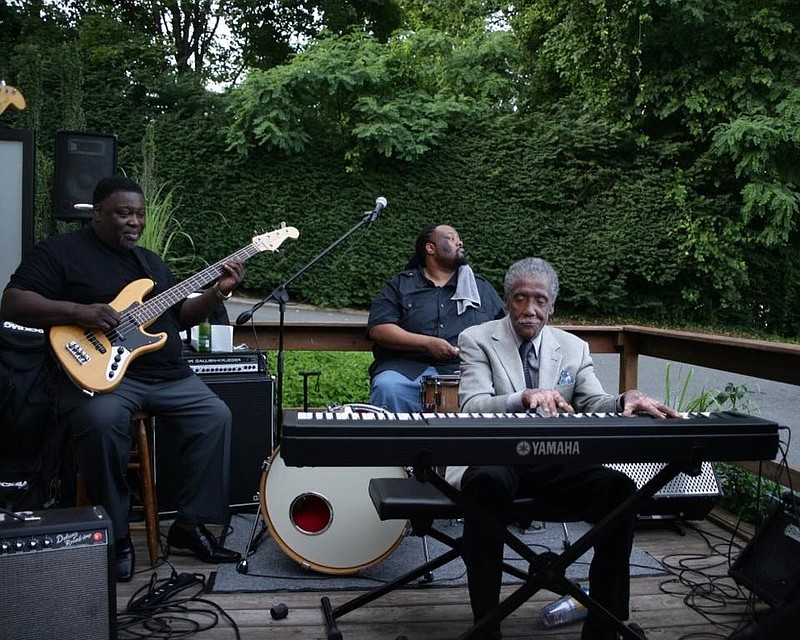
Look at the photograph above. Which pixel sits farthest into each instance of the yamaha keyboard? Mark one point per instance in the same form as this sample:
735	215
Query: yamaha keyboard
351	439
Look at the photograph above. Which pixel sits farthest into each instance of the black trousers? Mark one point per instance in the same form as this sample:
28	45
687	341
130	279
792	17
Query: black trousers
588	493
100	428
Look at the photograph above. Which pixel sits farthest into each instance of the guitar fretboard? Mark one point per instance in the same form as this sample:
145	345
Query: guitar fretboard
157	305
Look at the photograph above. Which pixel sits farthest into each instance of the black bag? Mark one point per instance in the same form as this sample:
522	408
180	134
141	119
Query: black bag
29	442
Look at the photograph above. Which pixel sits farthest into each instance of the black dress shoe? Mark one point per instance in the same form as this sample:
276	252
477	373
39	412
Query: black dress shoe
201	542
126	559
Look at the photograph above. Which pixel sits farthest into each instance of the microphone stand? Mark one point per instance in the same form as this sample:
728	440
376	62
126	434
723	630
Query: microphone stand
281	296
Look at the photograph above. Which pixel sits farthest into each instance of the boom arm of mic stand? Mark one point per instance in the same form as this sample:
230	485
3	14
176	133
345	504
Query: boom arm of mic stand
280	294
368	219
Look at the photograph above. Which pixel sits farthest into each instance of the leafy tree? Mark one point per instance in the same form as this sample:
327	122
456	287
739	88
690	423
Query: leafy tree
456	17
587	49
218	39
396	99
718	78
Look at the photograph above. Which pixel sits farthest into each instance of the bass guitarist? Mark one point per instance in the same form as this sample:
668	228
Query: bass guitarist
70	279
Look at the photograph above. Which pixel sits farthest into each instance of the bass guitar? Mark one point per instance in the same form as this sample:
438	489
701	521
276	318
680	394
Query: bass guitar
97	360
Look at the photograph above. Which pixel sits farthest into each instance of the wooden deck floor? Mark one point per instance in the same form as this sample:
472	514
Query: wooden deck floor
697	604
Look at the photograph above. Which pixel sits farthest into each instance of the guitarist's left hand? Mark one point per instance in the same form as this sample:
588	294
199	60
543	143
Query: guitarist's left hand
197	309
234	273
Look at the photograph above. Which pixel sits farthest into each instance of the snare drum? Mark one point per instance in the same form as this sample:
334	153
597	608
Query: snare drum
439	394
323	517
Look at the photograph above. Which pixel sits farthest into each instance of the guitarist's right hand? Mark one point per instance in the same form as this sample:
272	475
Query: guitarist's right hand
34	310
98	316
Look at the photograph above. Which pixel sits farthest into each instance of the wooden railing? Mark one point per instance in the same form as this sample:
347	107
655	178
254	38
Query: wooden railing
757	358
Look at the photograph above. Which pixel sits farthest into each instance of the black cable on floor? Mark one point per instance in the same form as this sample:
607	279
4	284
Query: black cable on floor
151	614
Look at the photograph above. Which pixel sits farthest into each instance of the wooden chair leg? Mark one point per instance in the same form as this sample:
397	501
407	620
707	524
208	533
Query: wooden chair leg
144	464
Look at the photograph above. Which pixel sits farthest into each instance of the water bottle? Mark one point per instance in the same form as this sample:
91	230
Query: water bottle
204	337
565	610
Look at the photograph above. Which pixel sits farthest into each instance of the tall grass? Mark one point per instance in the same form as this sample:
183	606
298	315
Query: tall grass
745	494
163	233
733	397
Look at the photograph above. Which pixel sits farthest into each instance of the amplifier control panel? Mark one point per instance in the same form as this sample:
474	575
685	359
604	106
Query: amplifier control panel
234	362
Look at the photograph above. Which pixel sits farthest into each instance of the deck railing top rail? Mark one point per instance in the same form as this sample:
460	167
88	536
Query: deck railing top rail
758	358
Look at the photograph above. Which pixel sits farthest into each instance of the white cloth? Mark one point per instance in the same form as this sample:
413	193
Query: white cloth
466	294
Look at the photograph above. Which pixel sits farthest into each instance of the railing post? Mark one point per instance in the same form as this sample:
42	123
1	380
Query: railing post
628	348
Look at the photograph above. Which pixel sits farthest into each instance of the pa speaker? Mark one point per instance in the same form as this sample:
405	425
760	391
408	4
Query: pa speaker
250	397
769	565
684	497
55	577
81	161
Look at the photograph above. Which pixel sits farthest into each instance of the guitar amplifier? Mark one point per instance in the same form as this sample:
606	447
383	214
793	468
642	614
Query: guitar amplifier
684	497
55	575
235	362
250	397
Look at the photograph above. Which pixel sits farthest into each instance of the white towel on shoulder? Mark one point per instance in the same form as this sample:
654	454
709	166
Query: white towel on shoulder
466	294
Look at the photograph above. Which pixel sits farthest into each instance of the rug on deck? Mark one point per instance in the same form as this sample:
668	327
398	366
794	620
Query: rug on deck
271	569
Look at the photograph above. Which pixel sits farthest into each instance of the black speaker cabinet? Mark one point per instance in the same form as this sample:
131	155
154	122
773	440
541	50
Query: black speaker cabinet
55	576
684	497
769	565
81	161
250	397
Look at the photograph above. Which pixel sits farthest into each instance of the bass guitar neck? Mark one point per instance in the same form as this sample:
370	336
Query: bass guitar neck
98	360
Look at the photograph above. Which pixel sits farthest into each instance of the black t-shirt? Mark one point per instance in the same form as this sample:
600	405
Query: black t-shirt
78	267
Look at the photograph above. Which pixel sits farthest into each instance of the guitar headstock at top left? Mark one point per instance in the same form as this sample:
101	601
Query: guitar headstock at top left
10	96
271	240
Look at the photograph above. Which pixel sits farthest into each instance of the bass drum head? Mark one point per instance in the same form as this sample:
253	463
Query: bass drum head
323	517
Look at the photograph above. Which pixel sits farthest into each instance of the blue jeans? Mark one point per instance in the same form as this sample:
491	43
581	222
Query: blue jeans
393	391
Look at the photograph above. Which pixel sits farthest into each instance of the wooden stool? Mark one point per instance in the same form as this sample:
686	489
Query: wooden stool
141	461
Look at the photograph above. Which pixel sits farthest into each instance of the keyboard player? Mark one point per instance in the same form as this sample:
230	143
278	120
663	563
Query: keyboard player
515	364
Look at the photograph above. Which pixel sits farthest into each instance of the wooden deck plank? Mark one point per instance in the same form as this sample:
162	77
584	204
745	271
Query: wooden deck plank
433	613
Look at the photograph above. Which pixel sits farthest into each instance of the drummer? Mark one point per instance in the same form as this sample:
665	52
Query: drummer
416	318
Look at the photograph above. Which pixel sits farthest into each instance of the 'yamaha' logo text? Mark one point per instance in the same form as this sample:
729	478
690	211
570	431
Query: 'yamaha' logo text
549	448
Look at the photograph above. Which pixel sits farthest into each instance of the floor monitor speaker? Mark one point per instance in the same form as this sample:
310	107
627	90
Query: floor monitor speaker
684	497
55	575
250	397
81	161
769	565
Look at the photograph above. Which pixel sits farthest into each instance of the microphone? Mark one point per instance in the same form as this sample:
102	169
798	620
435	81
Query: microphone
380	203
371	216
244	316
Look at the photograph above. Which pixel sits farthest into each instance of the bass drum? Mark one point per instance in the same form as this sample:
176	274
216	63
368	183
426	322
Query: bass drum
323	517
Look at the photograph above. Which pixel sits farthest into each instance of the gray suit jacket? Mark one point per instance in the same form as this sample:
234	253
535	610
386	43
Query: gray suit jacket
491	370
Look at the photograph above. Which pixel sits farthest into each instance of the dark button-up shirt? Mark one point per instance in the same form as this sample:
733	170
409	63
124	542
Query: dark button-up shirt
417	305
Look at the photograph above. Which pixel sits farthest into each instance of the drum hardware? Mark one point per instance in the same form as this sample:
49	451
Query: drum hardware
306	375
439	393
281	295
255	538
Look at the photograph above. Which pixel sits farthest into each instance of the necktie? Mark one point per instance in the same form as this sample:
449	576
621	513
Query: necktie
530	364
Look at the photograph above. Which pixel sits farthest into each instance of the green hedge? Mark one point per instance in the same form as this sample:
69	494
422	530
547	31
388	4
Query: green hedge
613	216
592	205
